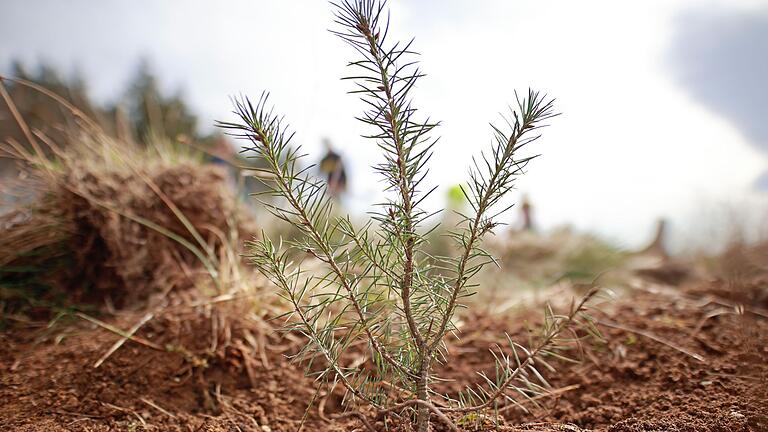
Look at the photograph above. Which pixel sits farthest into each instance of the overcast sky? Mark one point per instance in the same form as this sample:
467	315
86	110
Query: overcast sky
663	102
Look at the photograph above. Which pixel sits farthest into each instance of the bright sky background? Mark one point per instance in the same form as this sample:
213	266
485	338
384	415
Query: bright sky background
640	136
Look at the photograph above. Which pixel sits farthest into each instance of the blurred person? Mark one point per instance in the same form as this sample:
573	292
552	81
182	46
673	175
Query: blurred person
526	213
332	167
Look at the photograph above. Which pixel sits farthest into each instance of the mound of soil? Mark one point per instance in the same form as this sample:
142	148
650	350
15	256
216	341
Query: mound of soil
120	235
673	360
122	256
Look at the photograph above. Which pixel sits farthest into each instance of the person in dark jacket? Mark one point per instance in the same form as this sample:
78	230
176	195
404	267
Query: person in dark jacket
332	167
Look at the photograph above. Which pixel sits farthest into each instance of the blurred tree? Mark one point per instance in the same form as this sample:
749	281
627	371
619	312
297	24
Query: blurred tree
143	108
39	111
143	112
153	114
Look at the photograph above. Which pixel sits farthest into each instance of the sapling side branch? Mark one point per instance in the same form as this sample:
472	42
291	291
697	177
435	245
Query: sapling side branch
548	337
498	183
264	129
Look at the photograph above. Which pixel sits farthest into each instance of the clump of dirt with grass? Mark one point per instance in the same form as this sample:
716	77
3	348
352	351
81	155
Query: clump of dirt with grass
128	259
104	220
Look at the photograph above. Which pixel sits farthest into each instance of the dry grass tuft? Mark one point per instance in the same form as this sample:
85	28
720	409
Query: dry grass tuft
103	219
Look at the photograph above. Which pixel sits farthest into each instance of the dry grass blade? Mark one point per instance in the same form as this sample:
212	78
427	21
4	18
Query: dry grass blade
180	215
157	407
19	119
125	410
651	336
120	332
145	319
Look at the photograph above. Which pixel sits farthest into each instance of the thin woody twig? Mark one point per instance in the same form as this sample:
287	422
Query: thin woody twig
360	416
429	405
546	395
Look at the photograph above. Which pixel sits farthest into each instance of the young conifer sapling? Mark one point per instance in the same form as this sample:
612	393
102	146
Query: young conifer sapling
380	285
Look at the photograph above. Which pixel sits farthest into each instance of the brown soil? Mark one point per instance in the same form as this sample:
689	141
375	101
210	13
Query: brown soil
221	369
214	372
636	383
